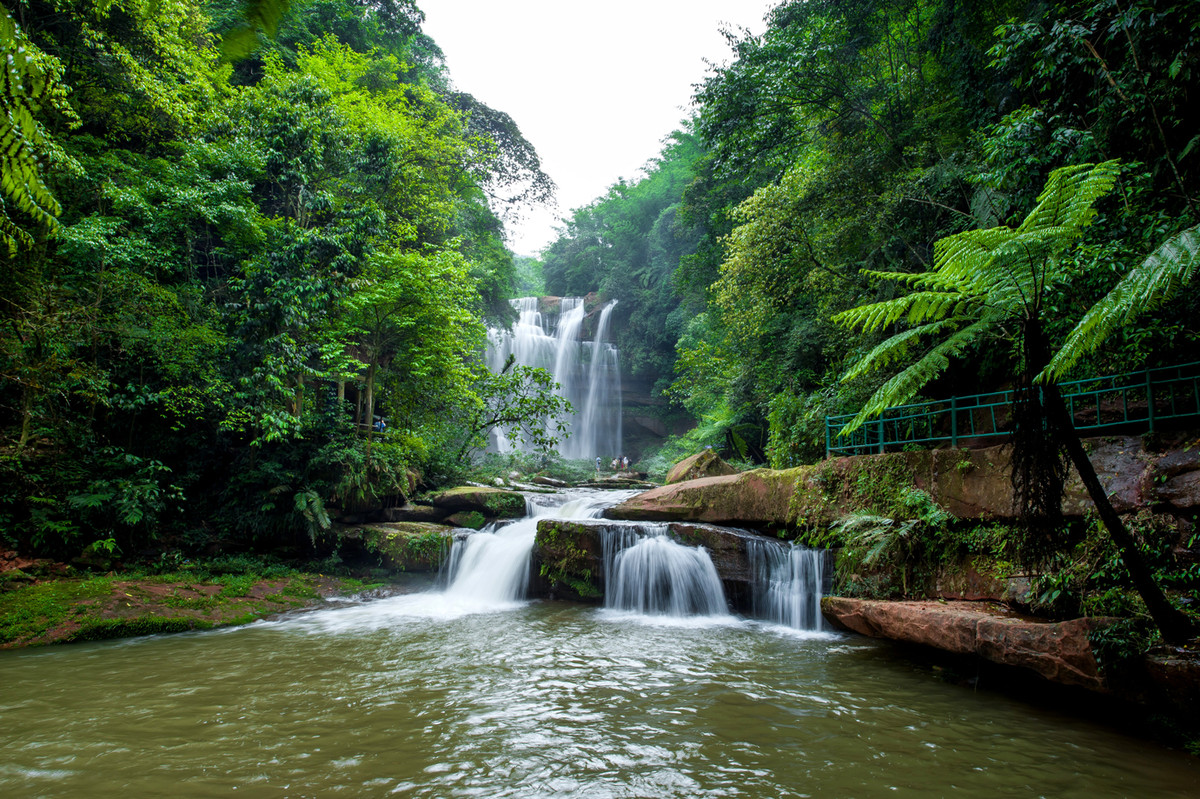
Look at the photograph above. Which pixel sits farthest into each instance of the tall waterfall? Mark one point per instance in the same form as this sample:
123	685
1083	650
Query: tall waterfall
588	372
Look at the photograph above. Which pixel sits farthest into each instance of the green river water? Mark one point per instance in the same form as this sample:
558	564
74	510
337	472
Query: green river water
415	696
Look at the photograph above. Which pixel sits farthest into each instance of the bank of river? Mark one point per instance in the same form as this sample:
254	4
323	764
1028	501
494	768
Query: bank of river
71	609
422	696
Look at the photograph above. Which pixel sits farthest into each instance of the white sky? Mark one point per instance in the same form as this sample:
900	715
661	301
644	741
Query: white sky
595	87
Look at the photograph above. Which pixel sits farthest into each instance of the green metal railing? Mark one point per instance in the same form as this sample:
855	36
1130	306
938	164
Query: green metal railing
1135	399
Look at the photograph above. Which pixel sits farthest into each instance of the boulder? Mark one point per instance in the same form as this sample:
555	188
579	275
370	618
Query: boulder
542	480
705	463
399	546
761	498
1058	651
468	519
494	503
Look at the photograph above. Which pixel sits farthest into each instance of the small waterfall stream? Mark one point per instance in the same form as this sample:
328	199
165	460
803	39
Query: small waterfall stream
491	568
646	571
788	583
659	577
587	372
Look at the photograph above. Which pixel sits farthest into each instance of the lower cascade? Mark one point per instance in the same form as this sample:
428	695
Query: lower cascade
646	571
491	567
788	583
660	577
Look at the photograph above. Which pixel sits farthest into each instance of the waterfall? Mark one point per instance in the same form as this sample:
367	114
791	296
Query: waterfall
788	583
654	575
490	569
587	373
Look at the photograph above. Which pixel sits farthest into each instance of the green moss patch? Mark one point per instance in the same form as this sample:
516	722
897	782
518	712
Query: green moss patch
116	606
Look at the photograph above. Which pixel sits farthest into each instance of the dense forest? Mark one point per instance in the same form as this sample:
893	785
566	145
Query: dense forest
221	273
842	144
234	244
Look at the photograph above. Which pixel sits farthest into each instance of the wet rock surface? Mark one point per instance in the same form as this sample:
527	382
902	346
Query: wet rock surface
1058	651
494	503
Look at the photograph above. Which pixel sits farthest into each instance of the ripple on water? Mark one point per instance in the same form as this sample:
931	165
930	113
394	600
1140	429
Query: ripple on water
402	696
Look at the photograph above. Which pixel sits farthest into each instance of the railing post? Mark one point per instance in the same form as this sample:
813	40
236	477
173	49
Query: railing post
880	424
827	440
954	422
1150	400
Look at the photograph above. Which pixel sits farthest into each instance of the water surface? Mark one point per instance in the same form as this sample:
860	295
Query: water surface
421	697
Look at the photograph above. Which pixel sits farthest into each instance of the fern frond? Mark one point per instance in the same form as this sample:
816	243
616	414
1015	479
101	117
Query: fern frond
896	348
1145	287
24	83
916	308
904	386
1070	193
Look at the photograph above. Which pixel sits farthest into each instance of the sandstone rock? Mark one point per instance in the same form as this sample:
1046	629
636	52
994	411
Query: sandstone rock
494	503
761	498
1120	463
706	463
970	484
1182	492
1058	651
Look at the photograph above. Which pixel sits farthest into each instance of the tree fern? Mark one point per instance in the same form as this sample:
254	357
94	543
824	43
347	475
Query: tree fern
1145	287
980	280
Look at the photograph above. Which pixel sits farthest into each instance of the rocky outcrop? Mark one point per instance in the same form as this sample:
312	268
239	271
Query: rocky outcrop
493	503
970	484
706	463
569	556
761	498
396	546
1058	651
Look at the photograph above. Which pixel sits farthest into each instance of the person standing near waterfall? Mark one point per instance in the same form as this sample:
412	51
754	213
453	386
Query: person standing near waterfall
597	465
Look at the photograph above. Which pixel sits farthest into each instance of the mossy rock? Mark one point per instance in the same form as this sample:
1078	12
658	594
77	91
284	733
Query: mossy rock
405	546
470	519
705	463
494	503
569	558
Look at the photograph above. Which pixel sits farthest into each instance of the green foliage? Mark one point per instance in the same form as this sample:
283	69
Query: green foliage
908	546
981	281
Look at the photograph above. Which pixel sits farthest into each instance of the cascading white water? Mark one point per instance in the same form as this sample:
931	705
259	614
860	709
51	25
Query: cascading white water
660	577
587	373
490	569
788	583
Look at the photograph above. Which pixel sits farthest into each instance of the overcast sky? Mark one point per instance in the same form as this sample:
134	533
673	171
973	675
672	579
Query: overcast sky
595	87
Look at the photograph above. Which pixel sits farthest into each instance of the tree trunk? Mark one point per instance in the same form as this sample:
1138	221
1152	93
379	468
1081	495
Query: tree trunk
1175	626
370	399
26	417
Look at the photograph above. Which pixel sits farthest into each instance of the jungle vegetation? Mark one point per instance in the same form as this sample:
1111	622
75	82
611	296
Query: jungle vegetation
234	241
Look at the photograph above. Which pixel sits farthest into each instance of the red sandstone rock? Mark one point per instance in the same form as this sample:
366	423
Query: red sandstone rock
970	484
705	463
1058	651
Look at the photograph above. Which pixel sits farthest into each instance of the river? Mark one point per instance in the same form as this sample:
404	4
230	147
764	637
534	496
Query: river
423	695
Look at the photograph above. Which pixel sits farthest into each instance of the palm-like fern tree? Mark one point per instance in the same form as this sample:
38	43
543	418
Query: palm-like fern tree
994	282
